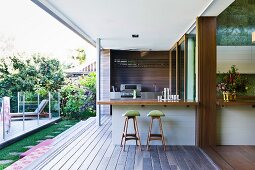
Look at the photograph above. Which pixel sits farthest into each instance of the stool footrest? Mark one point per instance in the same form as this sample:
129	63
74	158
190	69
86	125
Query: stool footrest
155	138
155	135
130	134
131	138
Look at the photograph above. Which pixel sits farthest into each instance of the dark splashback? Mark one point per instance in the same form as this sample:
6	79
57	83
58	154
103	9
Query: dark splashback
148	68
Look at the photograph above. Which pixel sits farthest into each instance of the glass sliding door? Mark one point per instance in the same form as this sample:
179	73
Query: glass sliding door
182	68
173	71
191	79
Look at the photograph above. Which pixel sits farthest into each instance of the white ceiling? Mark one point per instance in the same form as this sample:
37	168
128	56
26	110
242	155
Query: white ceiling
159	23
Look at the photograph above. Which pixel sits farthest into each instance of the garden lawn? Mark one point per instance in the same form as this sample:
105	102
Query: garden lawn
13	151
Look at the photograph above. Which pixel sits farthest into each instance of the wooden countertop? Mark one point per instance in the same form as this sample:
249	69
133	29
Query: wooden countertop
148	102
238	102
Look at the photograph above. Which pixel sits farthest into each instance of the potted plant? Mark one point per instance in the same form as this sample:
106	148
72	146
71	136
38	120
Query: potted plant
231	83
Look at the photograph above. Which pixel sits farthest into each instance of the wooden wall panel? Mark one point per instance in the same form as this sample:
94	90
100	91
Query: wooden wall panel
146	68
206	115
105	79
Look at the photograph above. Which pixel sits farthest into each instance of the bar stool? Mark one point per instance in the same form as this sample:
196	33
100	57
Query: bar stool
131	114
156	114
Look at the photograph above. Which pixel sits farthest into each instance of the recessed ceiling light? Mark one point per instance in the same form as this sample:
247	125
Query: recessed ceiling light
135	35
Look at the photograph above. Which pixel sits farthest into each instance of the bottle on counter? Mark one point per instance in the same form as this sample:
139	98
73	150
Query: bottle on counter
168	93
165	94
134	94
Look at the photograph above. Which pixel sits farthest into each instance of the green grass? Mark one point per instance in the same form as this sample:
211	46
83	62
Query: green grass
32	141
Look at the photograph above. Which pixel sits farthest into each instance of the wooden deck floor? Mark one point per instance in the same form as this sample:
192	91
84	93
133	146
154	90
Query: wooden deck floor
233	157
88	146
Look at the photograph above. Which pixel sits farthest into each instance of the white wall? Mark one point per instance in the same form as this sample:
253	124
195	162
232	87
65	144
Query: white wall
242	56
236	125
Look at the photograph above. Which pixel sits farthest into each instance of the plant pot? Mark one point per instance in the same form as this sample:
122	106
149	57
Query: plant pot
229	96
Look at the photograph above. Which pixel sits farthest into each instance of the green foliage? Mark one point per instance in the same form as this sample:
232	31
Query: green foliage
50	75
79	101
79	57
29	73
72	100
89	81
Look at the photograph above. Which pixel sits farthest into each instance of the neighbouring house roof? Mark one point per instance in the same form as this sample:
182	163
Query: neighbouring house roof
83	69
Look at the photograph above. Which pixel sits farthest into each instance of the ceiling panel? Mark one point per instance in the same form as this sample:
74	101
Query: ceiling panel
159	23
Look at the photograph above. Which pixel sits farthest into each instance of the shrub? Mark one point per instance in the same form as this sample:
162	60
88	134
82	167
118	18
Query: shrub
79	100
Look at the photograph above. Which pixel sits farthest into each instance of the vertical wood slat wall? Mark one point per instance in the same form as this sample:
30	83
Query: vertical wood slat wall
105	79
206	116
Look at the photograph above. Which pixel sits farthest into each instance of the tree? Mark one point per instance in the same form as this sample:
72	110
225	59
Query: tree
29	74
81	56
78	58
50	74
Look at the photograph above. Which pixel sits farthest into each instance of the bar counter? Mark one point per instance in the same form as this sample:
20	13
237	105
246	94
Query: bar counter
149	102
179	122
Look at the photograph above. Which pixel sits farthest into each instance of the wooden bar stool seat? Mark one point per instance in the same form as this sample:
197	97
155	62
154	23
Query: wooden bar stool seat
156	114
131	114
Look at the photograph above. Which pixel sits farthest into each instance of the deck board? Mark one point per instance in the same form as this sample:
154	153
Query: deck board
83	150
94	152
99	156
57	162
89	146
129	165
114	159
163	159
105	160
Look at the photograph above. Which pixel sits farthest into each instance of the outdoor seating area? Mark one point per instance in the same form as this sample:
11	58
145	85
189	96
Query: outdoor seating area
90	147
31	115
33	112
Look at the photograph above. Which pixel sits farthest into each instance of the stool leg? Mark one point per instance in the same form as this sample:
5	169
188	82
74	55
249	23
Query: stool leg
135	129
123	133
138	136
162	135
149	134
